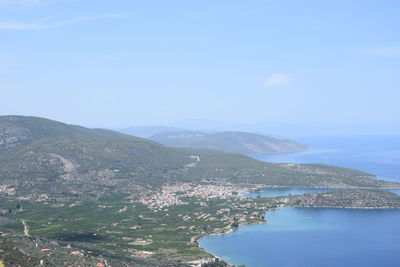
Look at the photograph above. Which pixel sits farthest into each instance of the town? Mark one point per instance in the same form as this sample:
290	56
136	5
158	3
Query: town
173	195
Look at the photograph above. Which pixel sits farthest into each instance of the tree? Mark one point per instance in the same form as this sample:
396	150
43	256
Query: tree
235	224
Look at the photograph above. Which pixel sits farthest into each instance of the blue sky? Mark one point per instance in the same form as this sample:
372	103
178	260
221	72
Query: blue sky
124	63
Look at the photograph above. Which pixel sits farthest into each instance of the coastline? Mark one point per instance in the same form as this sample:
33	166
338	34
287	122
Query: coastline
257	188
234	253
282	202
231	230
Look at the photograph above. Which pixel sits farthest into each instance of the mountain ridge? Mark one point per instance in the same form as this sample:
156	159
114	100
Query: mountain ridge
44	157
229	141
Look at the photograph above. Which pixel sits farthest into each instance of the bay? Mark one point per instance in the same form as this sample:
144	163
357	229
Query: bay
305	237
322	236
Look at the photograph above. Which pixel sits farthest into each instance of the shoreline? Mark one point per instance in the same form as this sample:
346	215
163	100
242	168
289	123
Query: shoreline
229	231
256	189
230	264
283	205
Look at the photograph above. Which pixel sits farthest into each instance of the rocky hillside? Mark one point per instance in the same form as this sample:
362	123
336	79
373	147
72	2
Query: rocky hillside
41	158
235	142
17	250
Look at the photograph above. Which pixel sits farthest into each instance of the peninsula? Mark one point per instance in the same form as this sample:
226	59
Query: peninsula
235	142
110	197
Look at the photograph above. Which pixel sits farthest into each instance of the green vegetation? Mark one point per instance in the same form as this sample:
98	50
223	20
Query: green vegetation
234	168
126	229
40	156
377	199
93	189
17	250
235	142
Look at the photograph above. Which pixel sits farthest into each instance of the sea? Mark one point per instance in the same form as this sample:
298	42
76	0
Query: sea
307	237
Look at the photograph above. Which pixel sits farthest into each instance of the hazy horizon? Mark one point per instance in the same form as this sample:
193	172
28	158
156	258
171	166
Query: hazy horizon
308	67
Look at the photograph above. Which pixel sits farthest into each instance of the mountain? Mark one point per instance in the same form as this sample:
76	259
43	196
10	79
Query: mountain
99	197
294	129
50	156
41	158
235	142
147	131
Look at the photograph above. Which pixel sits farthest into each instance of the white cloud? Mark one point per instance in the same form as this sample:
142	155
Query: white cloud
49	23
278	80
382	51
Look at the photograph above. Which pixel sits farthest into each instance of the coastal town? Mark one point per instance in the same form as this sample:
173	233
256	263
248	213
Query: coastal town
173	195
145	226
164	223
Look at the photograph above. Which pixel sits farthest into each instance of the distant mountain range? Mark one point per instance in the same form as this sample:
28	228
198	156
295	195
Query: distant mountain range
92	189
148	131
293	130
41	156
228	141
235	142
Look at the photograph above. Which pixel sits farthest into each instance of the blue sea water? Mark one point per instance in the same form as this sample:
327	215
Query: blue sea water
379	155
307	237
285	191
320	236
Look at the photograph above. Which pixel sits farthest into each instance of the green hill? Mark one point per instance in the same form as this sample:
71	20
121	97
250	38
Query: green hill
26	251
40	156
99	191
235	142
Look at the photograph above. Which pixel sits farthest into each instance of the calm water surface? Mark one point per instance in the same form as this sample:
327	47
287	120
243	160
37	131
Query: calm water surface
379	155
285	191
306	237
316	236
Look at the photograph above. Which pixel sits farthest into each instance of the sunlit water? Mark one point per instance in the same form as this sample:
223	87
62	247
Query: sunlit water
316	236
285	191
379	155
306	237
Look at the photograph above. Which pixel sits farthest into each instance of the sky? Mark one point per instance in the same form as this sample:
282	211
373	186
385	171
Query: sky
121	63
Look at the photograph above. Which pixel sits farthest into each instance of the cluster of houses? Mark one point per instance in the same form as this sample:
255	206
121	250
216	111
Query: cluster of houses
173	195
